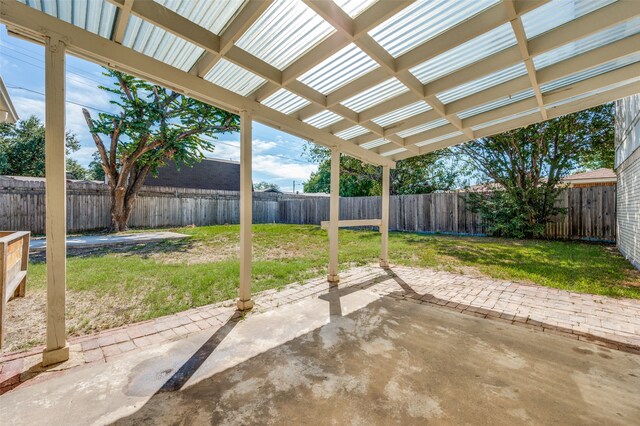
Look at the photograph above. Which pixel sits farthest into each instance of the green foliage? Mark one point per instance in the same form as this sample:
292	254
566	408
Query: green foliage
22	148
527	166
261	186
95	170
601	150
437	171
154	125
75	170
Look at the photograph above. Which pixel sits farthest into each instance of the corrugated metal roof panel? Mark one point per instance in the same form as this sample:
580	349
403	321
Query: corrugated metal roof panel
402	113
525	94
233	77
339	69
285	101
285	31
423	21
323	119
505	119
482	83
214	15
375	95
354	7
153	41
423	127
592	93
465	54
439	138
96	16
374	144
583	45
352	132
592	72
393	152
556	13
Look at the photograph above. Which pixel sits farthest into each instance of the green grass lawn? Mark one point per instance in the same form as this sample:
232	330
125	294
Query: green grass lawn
109	288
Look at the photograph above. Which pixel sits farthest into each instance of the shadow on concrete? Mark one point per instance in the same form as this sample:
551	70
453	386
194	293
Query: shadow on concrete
188	369
396	363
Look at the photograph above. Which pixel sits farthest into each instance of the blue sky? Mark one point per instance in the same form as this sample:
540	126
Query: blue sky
277	156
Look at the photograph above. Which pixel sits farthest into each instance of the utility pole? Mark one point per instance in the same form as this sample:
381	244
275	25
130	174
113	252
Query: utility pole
294	186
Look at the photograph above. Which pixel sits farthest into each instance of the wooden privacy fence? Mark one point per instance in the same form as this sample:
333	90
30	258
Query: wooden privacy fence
590	211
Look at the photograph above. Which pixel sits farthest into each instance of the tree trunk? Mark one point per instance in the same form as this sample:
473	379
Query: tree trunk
119	211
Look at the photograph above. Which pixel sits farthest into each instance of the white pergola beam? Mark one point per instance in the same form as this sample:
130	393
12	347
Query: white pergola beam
354	30
553	112
172	22
251	11
24	19
523	45
57	349
593	22
122	18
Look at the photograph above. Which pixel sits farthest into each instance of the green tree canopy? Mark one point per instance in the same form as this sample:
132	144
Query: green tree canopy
436	171
153	125
262	185
528	166
22	149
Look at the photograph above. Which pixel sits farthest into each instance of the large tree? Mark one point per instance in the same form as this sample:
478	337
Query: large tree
22	149
528	165
437	171
154	124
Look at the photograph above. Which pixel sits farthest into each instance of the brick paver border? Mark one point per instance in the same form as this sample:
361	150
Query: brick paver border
614	323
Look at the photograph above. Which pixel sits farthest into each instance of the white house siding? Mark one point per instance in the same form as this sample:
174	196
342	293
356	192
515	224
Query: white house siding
628	169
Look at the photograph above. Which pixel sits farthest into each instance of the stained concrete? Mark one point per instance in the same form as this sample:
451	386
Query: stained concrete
348	357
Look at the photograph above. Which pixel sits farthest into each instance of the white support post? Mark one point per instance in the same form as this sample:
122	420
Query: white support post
56	349
384	226
334	216
246	188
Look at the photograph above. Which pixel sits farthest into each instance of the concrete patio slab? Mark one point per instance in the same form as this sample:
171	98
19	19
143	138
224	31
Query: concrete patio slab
93	241
612	323
349	356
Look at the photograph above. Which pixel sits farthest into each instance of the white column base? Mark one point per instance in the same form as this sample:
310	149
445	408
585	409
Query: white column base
384	264
245	305
55	356
333	278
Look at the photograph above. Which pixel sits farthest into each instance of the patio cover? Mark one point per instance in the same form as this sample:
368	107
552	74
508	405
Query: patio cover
377	80
381	80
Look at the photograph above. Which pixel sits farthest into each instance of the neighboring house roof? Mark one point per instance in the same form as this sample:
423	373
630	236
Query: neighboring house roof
7	111
274	190
209	173
599	175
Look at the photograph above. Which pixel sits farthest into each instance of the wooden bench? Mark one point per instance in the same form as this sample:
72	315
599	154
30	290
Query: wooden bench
14	258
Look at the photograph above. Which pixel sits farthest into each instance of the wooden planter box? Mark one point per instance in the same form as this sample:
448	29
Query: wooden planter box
14	258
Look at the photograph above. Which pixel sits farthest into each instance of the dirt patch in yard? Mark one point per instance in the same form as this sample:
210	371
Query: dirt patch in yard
87	312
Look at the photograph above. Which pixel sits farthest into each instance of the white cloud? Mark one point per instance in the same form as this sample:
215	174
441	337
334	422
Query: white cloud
26	106
282	168
261	146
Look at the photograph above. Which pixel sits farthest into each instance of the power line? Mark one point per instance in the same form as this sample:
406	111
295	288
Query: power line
84	75
70	102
